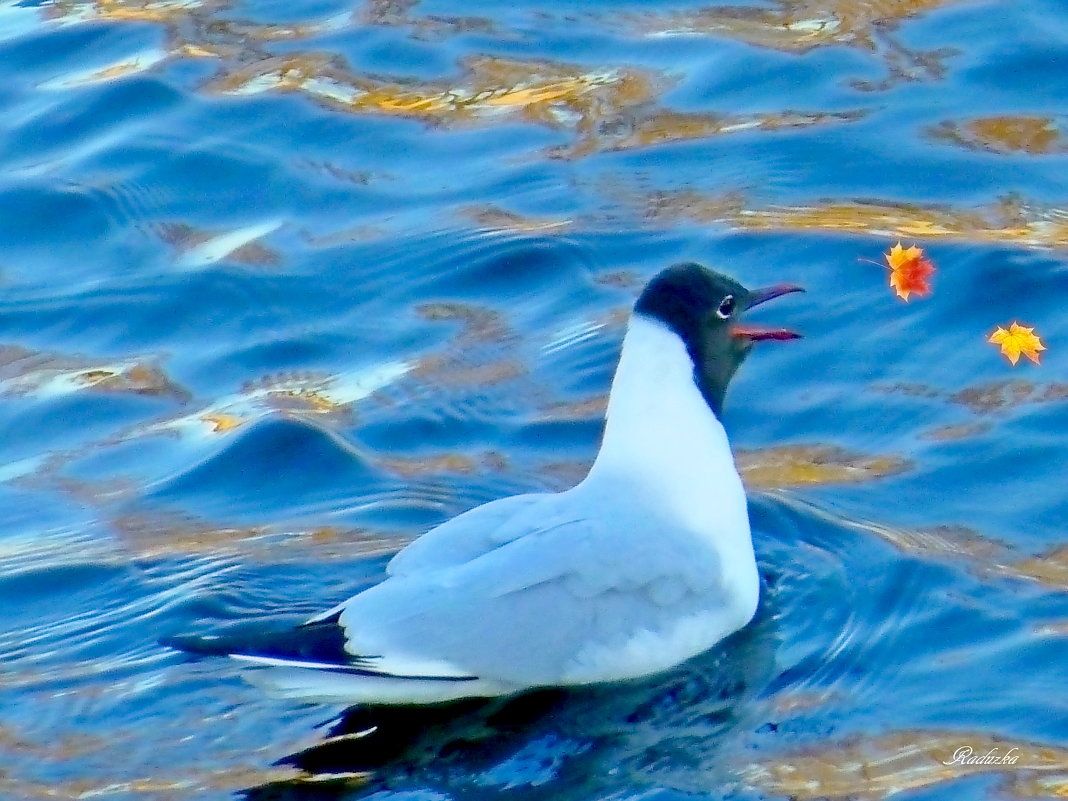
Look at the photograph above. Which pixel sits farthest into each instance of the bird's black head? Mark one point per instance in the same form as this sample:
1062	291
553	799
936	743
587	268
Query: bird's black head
704	307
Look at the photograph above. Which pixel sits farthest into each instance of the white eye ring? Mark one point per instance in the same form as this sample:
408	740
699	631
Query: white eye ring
726	308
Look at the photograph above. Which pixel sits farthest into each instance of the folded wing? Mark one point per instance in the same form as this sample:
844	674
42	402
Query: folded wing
544	598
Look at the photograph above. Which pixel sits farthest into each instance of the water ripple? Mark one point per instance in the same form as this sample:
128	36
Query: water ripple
283	287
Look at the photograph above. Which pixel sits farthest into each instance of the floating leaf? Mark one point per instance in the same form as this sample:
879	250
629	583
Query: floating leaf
1017	340
910	272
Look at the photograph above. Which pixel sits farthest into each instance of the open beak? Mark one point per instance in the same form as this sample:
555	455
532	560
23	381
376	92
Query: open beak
763	295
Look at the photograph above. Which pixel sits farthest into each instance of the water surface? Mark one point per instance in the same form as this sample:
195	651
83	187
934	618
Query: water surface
283	285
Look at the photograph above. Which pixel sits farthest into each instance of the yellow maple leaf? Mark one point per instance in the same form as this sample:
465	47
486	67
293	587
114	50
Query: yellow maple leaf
1017	340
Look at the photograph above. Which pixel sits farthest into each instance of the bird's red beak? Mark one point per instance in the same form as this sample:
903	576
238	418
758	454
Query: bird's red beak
758	296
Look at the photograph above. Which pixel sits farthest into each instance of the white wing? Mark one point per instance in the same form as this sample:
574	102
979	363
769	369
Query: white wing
572	601
468	535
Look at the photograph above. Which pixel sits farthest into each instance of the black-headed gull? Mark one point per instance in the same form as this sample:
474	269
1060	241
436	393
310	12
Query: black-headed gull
644	564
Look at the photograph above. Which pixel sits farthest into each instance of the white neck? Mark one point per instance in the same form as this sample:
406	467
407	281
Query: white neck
662	438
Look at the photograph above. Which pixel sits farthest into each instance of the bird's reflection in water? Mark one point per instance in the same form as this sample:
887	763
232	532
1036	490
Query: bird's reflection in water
554	741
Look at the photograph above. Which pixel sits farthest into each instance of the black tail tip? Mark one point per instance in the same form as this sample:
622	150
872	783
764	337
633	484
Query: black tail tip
198	644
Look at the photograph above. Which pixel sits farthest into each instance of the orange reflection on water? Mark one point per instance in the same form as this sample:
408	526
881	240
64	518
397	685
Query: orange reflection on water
794	24
877	767
543	92
1011	220
804	465
1035	135
25	372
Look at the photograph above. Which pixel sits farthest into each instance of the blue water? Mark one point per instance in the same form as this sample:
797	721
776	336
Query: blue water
283	285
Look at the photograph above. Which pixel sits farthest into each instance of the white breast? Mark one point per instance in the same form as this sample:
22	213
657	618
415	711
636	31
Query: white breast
662	436
650	652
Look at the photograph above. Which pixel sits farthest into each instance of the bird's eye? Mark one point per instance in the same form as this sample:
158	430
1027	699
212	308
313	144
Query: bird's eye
726	307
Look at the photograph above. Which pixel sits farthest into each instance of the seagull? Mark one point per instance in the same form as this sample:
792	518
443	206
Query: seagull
644	564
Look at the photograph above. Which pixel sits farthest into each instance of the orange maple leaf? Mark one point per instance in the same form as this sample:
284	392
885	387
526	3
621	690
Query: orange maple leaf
910	272
1017	340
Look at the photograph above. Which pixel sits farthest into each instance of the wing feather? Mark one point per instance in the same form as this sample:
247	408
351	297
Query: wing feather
467	535
552	606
